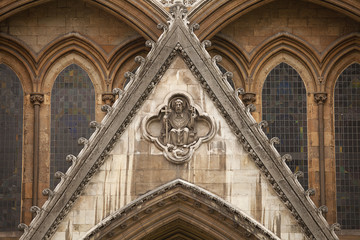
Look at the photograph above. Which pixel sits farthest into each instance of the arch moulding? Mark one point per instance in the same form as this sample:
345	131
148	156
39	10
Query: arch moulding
283	57
169	209
213	17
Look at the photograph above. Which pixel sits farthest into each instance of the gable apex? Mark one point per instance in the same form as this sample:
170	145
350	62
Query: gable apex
178	39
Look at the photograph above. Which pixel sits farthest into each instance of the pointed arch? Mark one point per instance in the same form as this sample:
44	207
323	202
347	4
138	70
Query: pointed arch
233	59
123	60
142	16
72	48
289	43
20	58
72	108
61	62
214	16
11	150
341	52
284	108
347	146
266	64
170	208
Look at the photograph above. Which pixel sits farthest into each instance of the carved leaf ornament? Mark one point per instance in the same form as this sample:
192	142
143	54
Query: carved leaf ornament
179	127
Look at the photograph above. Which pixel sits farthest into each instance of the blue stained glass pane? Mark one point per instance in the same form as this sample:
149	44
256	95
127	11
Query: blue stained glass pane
284	108
11	128
72	109
347	147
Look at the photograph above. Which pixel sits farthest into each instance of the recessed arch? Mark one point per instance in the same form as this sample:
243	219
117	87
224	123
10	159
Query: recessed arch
213	17
143	16
123	60
346	59
67	59
18	57
72	109
233	59
271	61
170	207
19	68
284	107
72	48
347	147
338	55
11	151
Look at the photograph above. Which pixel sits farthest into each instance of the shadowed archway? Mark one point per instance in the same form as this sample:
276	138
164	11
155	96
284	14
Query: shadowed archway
179	210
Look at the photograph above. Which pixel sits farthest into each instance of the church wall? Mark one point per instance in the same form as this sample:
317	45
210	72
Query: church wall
38	26
318	26
313	23
136	166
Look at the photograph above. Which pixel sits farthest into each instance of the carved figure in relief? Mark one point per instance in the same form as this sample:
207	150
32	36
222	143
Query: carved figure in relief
180	121
178	124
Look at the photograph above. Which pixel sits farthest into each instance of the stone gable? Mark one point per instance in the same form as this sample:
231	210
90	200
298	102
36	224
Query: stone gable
136	166
238	163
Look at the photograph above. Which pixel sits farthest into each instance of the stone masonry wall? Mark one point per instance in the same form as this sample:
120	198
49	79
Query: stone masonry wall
38	26
313	23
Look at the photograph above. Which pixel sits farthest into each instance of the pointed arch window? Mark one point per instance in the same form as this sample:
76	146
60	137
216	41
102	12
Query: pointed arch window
72	109
11	128
347	147
284	108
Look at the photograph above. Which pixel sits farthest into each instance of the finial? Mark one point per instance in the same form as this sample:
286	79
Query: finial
59	175
263	124
23	227
310	192
206	43
48	192
95	124
298	174
323	209
35	209
250	108
286	157
83	141
106	108
118	91
274	140
71	158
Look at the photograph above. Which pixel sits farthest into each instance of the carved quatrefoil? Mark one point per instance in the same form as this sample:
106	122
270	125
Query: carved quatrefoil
179	127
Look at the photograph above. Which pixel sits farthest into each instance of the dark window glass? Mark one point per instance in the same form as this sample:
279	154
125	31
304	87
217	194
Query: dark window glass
72	109
347	147
284	108
11	128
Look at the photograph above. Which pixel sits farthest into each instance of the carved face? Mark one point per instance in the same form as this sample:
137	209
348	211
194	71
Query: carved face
179	105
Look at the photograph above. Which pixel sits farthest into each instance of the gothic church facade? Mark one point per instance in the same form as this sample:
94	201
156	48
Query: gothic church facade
117	127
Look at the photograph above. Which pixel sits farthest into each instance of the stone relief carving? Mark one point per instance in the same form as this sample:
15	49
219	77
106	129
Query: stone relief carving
179	127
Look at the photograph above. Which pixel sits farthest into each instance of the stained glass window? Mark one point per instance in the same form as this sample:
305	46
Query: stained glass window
347	147
11	122
284	108
72	109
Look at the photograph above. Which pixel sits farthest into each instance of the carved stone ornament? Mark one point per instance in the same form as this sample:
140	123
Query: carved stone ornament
320	97
36	98
179	127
